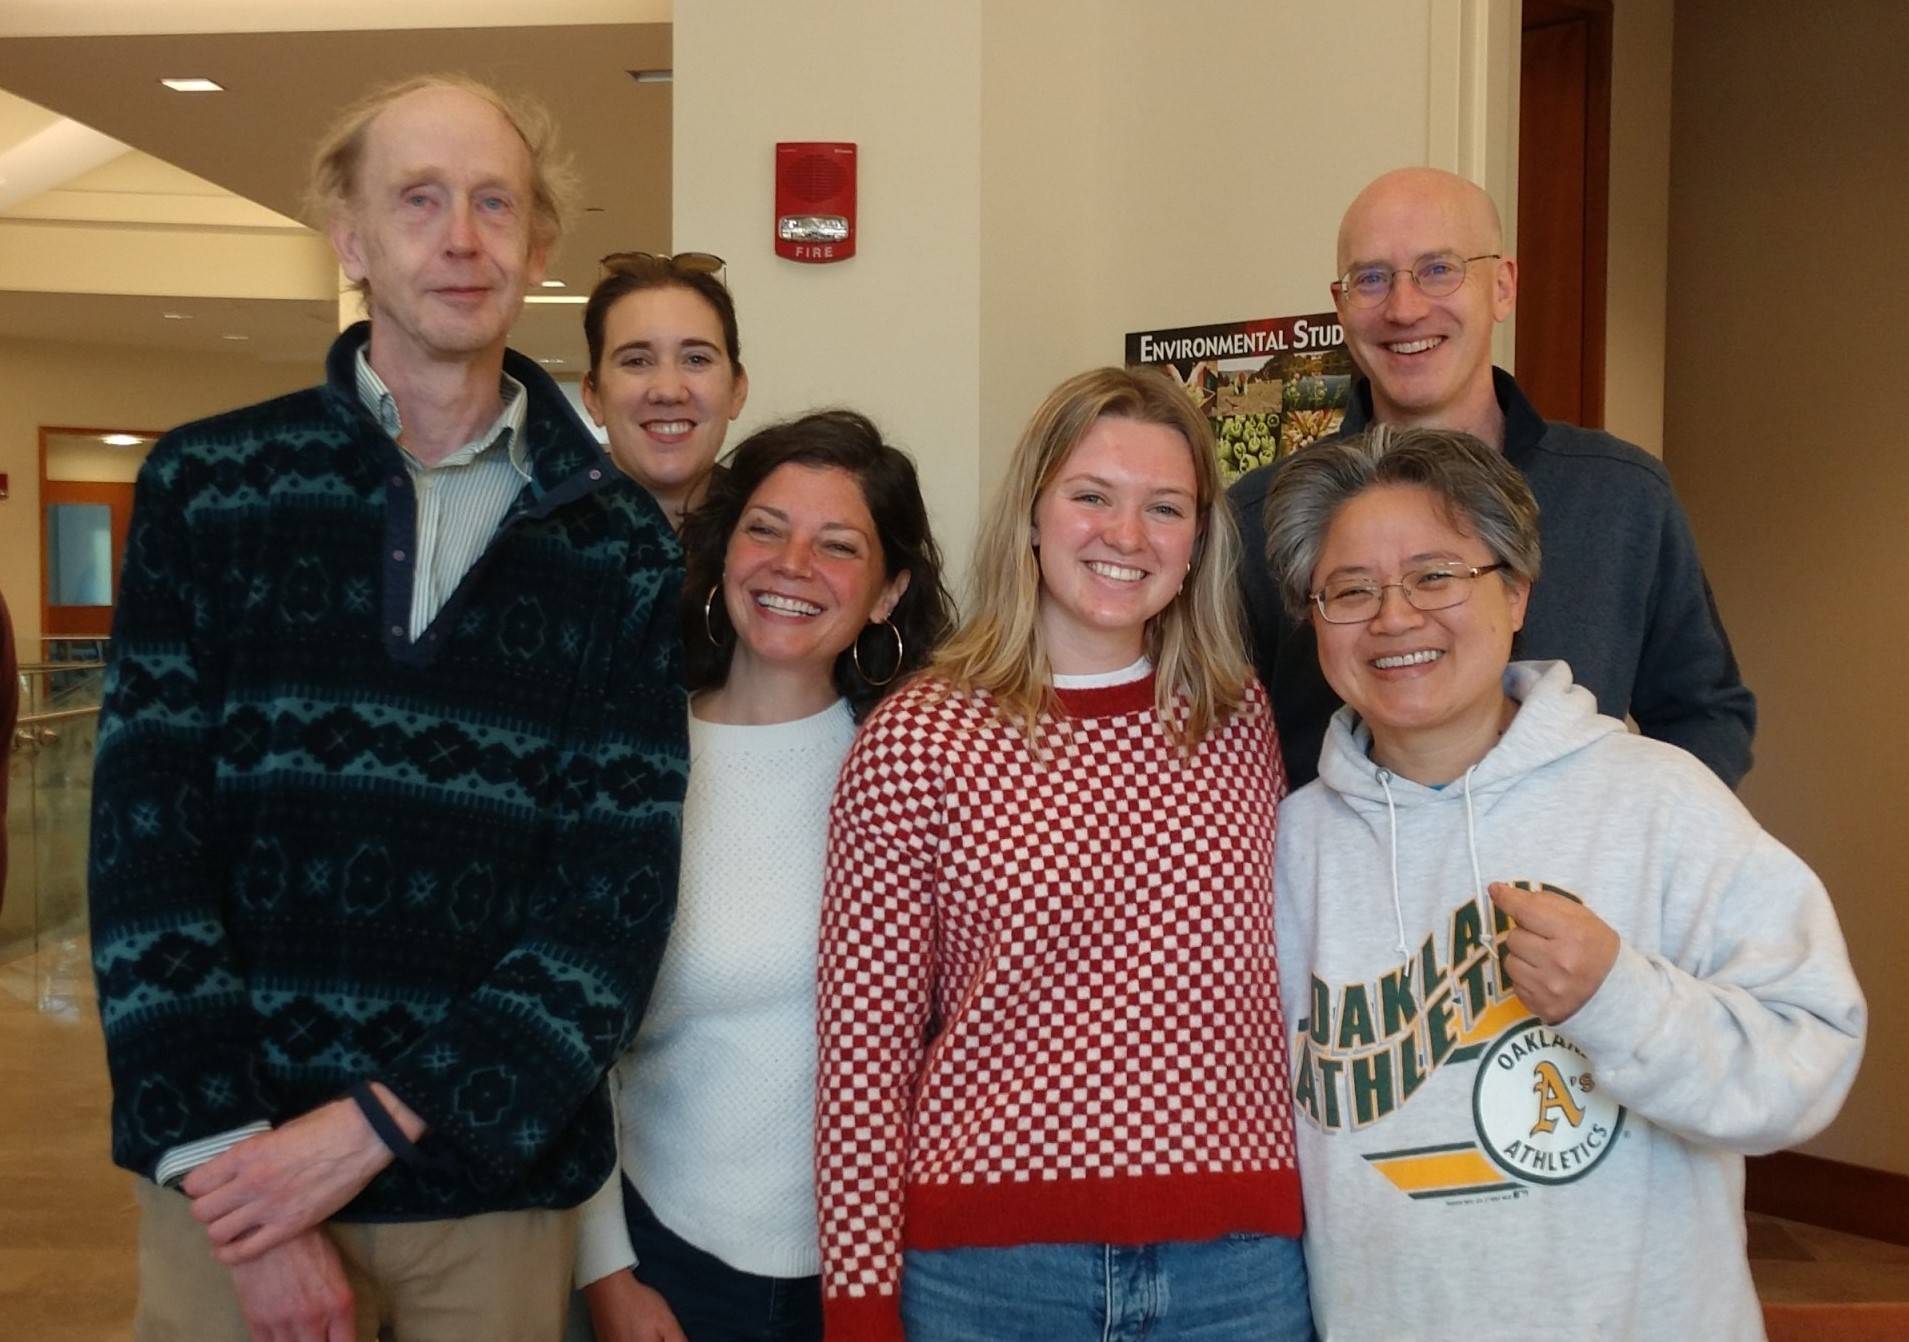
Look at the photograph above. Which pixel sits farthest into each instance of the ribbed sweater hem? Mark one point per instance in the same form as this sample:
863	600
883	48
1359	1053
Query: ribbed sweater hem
1115	1209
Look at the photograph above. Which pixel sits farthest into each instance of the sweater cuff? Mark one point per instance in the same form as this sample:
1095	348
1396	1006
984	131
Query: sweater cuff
603	1233
1615	1021
869	1318
181	1160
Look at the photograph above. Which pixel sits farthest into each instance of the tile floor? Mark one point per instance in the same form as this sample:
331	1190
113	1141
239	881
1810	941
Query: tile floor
67	1217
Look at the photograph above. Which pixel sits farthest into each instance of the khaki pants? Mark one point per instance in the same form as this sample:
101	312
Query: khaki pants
503	1277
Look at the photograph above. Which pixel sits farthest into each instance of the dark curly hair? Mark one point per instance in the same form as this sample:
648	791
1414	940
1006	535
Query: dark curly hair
848	442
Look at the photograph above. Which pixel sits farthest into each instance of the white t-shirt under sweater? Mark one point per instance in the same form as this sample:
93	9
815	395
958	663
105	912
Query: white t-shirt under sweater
715	1099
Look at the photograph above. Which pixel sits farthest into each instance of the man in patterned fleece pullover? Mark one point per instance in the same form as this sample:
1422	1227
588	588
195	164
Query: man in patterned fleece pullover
390	769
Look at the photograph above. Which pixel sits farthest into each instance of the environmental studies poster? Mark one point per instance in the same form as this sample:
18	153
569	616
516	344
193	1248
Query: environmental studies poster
1269	386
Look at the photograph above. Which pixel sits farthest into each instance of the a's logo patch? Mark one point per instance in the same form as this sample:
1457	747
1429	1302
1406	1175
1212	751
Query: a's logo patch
1537	1108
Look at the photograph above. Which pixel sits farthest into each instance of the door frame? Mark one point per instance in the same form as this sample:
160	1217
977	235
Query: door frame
120	525
1599	24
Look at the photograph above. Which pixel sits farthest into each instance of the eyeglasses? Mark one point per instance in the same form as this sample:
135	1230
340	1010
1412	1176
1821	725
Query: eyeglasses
645	263
1439	587
1436	276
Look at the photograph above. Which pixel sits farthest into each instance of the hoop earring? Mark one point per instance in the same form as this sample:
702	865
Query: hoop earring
855	654
708	627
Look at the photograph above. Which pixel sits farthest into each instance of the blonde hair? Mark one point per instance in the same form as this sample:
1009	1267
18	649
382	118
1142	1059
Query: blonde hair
1195	644
341	151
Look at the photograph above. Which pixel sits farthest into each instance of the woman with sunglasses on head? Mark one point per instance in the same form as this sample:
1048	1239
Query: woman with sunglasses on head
815	589
666	376
1052	1103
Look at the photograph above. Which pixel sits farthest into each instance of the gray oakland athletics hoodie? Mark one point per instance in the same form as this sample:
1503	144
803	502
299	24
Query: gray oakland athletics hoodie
1472	1172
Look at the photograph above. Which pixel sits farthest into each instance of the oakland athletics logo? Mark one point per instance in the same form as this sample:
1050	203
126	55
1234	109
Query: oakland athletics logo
1539	1113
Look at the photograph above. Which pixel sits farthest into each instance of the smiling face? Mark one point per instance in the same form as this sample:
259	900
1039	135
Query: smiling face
1429	359
803	573
666	390
1115	529
1425	682
440	225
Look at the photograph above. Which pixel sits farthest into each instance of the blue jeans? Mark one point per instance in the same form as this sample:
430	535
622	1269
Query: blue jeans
713	1301
1238	1288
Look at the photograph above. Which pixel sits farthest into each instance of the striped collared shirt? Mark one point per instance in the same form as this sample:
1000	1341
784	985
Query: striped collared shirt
461	499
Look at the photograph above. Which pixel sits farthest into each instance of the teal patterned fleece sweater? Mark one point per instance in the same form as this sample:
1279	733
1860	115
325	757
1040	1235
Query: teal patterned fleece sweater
323	852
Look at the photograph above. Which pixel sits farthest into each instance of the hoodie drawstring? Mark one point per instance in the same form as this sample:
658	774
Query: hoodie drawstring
1487	928
1392	818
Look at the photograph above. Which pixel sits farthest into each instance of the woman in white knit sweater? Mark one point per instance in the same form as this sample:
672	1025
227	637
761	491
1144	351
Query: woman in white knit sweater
813	585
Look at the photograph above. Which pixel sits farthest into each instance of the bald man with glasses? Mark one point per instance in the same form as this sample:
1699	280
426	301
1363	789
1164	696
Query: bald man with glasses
1422	282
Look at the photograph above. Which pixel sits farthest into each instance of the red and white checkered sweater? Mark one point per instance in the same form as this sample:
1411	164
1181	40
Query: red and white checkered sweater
1048	1007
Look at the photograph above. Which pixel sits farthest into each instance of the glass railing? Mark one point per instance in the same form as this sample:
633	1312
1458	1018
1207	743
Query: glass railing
49	796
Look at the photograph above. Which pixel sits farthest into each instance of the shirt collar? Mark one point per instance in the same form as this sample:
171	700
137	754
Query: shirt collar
507	428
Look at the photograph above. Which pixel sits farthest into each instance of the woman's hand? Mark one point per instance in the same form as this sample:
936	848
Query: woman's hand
1558	951
623	1309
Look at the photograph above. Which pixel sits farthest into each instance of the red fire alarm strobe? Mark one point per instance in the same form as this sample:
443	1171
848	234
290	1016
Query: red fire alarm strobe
815	201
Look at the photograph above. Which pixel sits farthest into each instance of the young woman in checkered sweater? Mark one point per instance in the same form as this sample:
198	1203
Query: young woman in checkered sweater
1052	1098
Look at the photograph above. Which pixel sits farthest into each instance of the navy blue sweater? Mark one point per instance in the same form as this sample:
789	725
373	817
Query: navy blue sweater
322	852
1621	596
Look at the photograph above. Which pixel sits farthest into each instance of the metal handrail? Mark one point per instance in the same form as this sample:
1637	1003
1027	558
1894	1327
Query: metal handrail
49	668
56	715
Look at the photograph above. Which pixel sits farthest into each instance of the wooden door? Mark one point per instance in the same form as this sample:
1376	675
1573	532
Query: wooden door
1564	156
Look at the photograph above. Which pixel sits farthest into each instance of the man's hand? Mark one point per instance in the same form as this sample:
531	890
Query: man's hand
1558	951
296	1292
623	1309
269	1188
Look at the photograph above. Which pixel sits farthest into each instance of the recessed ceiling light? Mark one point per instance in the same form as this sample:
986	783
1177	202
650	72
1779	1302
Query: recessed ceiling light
547	284
193	85
573	299
231	335
653	76
549	361
121	439
177	316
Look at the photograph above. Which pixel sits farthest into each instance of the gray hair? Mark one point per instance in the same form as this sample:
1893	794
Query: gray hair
1479	490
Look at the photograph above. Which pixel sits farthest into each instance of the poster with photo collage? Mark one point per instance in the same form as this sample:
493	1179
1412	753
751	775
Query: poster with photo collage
1268	386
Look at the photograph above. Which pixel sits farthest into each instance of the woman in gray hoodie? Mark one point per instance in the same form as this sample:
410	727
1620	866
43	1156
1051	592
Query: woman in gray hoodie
1546	981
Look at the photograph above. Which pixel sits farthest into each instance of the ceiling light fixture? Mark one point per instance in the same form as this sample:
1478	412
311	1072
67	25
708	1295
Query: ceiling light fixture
573	299
121	439
653	76
193	85
552	284
550	361
177	316
230	335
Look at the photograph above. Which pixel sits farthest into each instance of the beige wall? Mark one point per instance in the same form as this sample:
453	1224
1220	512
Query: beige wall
1785	328
1639	237
83	386
1038	180
894	331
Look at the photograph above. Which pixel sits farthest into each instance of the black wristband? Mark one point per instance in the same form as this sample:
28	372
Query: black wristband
386	1127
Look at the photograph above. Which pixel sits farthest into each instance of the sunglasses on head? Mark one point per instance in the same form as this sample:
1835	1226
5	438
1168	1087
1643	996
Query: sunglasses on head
642	263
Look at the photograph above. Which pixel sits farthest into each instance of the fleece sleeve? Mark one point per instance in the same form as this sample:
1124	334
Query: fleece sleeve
875	985
1688	690
501	1075
1747	1030
182	1041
